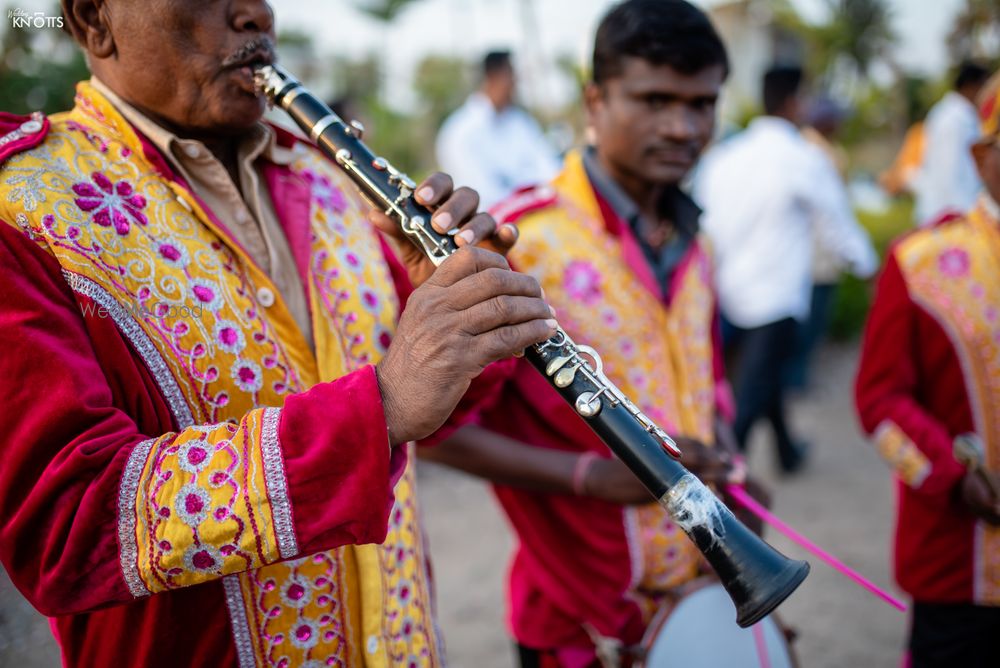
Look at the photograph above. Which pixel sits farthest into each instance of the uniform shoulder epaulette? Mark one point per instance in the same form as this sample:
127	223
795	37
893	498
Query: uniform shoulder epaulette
924	237
20	133
522	202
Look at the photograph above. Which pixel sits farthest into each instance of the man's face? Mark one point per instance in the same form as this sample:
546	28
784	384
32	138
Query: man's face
187	62
504	84
652	122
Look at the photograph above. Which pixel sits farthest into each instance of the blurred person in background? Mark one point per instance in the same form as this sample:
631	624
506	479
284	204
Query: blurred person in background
769	196
902	175
947	182
824	119
928	392
491	144
211	379
616	245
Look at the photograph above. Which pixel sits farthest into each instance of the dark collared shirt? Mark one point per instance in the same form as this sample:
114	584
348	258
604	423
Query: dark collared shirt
674	206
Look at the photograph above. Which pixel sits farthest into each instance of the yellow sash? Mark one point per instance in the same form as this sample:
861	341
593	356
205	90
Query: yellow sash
953	272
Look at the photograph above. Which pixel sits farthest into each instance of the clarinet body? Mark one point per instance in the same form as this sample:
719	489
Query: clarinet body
757	577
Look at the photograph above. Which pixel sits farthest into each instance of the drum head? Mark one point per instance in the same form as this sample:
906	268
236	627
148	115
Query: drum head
701	632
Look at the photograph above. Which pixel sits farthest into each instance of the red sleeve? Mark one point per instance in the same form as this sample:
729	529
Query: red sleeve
81	485
914	442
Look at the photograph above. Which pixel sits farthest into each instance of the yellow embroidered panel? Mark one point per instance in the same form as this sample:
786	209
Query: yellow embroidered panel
137	249
202	506
660	356
301	612
368	605
910	464
143	246
952	271
409	624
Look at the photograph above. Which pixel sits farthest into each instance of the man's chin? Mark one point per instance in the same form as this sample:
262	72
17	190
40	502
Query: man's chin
241	115
668	174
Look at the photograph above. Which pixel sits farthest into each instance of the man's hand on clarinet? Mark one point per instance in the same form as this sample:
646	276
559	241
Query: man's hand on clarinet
472	311
453	208
713	465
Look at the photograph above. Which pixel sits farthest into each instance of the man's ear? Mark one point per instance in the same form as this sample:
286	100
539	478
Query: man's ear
593	99
89	22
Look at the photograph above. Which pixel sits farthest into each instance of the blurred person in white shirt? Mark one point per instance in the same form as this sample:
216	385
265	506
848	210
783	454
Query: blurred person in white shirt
767	194
492	145
823	121
947	182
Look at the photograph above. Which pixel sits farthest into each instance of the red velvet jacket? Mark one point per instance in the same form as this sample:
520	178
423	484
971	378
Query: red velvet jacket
915	392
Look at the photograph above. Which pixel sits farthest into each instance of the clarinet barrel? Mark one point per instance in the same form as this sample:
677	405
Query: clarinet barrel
757	577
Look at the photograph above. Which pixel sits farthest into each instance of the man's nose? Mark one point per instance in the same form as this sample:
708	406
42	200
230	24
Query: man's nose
677	123
255	16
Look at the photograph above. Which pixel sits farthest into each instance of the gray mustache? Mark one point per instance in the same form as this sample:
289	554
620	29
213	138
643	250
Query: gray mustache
262	45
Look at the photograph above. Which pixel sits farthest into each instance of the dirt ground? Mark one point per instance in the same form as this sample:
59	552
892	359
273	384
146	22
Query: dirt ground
842	500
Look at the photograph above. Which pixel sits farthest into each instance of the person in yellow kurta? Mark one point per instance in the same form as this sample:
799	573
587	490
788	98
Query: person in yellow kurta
210	377
615	243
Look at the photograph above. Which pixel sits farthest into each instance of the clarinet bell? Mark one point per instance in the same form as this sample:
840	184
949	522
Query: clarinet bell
756	576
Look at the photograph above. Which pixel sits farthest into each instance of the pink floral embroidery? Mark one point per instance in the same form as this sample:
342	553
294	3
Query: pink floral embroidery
954	263
327	195
583	282
247	375
110	204
95	139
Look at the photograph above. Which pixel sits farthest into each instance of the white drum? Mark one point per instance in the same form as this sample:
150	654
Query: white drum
700	631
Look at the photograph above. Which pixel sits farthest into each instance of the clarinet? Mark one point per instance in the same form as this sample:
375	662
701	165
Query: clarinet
757	577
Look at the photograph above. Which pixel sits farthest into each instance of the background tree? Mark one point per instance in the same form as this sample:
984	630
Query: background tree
39	67
976	32
855	36
441	84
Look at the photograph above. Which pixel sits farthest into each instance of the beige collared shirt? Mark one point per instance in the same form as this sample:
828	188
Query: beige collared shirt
245	208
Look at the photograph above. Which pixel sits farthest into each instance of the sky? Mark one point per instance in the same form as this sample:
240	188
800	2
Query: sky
468	28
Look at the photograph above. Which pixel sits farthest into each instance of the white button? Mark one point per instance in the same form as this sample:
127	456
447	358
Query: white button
192	151
242	217
372	644
30	127
265	297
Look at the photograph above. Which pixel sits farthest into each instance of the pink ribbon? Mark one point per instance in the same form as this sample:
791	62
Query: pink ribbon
751	504
760	642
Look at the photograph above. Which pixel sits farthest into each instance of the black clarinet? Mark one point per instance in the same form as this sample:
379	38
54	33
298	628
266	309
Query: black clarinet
757	577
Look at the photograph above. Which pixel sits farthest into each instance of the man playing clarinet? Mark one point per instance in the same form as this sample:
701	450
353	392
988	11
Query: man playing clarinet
615	243
209	385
